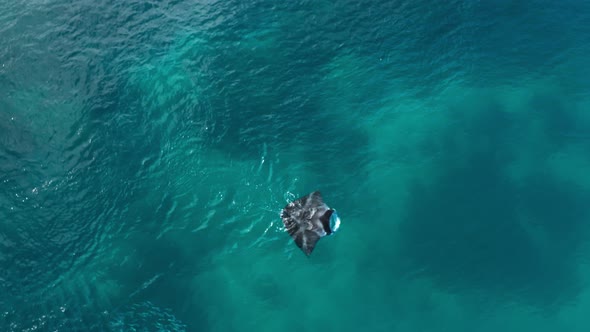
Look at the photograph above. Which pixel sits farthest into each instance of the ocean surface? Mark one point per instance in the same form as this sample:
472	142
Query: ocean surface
148	147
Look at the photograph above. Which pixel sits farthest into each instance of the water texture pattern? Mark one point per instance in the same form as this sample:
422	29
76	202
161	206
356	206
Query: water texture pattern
148	147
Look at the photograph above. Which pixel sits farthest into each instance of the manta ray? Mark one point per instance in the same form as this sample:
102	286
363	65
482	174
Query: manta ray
308	219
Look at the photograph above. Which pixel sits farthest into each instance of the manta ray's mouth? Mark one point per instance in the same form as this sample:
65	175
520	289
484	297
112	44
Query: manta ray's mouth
334	221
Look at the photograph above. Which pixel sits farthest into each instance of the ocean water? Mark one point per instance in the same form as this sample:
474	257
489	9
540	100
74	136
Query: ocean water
147	148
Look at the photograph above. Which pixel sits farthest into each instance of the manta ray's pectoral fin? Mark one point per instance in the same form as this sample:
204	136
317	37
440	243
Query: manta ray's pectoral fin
306	240
313	199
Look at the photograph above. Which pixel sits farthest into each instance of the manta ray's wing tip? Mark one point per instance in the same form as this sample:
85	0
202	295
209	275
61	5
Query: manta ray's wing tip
306	240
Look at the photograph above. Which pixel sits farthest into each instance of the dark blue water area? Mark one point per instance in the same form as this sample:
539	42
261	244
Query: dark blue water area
147	148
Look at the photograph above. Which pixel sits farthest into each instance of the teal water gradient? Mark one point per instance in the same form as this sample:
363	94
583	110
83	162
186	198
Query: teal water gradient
147	148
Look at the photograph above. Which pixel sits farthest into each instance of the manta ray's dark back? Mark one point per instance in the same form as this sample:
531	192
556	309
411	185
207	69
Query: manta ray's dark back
308	219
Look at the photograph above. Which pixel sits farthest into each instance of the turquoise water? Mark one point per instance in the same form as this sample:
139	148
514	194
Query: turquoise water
147	148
